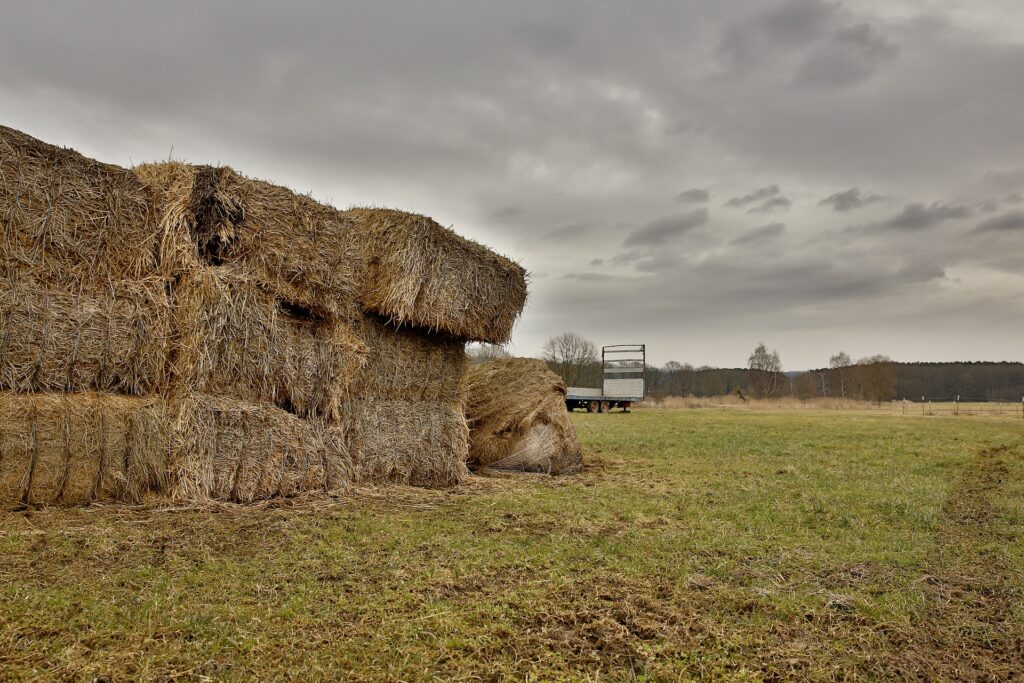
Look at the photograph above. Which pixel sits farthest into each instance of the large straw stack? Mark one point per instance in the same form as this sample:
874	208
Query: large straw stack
237	339
424	275
517	416
191	332
83	309
72	449
77	220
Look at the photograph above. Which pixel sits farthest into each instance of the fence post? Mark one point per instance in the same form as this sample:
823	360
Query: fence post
922	406
956	406
904	406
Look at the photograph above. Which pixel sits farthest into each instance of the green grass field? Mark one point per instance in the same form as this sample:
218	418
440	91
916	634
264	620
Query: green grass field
697	544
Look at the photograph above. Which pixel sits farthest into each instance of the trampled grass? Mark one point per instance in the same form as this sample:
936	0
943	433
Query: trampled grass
701	543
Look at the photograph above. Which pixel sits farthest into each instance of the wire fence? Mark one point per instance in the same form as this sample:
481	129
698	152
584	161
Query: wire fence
959	405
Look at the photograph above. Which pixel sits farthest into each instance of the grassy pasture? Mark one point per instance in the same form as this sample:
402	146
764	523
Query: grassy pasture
697	544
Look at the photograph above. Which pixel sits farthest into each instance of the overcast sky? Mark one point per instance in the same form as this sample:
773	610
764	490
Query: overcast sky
696	176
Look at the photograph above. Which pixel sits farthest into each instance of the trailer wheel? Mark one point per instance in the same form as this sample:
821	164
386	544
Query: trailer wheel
604	407
593	407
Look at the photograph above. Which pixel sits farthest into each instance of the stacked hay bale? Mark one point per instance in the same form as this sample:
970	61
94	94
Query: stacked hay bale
517	416
264	285
397	294
84	329
228	338
425	293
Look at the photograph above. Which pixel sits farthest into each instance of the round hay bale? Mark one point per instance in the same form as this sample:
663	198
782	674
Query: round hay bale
517	417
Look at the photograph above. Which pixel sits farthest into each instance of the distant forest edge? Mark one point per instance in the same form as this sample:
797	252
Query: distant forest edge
881	380
876	378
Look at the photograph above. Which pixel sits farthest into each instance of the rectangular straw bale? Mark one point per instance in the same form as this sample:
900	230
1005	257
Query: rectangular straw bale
112	337
405	363
418	443
81	220
299	248
72	449
238	340
422	274
230	450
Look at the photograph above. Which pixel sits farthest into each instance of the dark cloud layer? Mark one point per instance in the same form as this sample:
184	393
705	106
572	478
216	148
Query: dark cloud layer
581	138
755	197
661	230
759	235
919	216
1008	222
850	200
771	205
695	196
764	200
851	56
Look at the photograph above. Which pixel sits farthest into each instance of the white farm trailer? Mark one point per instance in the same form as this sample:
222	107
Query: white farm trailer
623	366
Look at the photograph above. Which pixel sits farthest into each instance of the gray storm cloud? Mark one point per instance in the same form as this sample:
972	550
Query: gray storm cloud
588	140
757	196
758	235
850	200
661	230
1011	221
919	216
694	196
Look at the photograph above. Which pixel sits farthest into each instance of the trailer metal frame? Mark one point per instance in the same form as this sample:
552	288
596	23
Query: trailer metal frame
618	390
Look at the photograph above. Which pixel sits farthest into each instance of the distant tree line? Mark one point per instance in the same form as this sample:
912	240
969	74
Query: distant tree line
875	378
871	379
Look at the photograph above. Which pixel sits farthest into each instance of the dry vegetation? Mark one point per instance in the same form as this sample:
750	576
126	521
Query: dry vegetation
710	543
516	411
780	403
271	344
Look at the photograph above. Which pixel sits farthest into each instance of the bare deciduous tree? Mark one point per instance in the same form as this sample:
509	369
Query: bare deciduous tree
483	352
805	386
570	356
678	378
877	378
840	364
765	372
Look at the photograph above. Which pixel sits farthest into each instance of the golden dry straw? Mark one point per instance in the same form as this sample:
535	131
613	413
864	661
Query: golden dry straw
229	450
418	443
424	275
518	419
238	340
78	220
279	345
406	363
114	337
297	247
72	449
